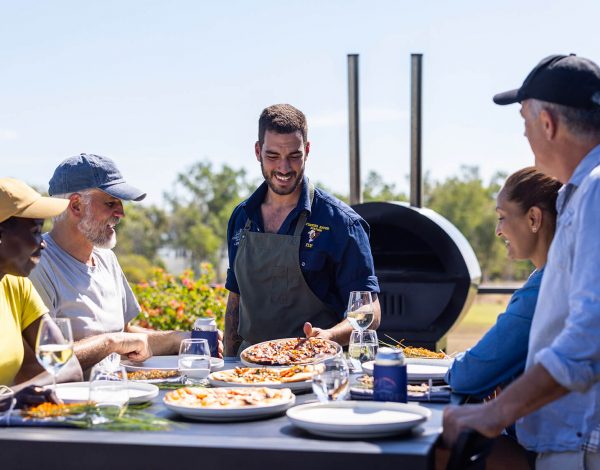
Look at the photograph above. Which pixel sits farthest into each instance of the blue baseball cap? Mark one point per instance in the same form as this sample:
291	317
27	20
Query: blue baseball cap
88	171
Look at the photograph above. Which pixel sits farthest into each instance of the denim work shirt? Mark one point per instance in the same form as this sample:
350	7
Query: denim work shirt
565	332
335	254
499	357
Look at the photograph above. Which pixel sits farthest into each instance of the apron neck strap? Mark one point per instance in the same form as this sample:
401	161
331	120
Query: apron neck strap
304	215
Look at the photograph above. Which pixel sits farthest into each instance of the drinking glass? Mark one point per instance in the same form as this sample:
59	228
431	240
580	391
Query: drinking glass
360	312
54	345
363	346
194	361
330	383
108	393
7	403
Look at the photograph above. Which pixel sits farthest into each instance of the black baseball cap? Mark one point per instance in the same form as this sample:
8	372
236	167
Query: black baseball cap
562	79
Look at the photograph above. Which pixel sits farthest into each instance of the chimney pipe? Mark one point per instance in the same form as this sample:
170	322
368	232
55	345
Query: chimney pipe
353	122
415	130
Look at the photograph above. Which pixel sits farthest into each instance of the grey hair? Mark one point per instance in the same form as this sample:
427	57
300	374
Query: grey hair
86	195
584	123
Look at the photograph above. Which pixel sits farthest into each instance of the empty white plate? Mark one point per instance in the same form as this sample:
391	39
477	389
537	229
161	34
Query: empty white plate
75	392
357	419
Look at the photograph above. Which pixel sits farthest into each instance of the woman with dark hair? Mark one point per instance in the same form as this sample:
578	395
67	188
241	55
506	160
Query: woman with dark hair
526	207
22	213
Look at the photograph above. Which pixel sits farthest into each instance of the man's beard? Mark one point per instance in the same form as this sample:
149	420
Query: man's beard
272	185
96	231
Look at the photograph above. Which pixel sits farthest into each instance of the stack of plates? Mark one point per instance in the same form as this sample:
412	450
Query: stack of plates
417	372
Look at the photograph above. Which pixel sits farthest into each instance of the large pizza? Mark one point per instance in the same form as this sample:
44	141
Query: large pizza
217	398
289	351
264	376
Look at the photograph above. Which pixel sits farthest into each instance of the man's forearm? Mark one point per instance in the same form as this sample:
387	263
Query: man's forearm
534	389
340	333
161	342
91	350
232	320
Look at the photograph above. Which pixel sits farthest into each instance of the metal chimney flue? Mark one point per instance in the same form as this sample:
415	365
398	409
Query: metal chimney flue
353	122
416	190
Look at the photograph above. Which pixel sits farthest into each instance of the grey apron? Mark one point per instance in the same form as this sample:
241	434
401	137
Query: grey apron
275	300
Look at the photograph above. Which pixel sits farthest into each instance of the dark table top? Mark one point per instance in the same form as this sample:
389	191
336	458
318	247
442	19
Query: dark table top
258	444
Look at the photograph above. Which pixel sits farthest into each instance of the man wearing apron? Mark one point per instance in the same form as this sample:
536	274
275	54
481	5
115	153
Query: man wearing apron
295	251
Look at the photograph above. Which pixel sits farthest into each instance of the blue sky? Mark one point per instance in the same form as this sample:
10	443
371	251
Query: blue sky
159	85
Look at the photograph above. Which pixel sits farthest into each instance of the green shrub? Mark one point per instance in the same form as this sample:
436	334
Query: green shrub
137	268
172	302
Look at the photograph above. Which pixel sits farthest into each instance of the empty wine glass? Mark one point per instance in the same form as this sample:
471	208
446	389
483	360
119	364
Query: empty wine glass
109	393
194	361
331	381
54	345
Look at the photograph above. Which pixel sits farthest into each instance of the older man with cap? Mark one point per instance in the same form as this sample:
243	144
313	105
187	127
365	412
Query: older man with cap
556	402
79	276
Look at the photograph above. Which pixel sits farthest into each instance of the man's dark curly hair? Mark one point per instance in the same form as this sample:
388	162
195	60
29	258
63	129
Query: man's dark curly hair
283	119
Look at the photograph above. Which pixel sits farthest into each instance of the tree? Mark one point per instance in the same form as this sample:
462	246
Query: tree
376	189
142	232
200	209
470	205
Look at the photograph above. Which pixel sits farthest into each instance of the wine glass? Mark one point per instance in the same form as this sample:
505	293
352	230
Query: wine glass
54	345
194	361
360	311
331	381
109	393
362	347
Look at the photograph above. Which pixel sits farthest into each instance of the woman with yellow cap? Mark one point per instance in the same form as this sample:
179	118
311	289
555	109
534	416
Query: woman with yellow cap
22	213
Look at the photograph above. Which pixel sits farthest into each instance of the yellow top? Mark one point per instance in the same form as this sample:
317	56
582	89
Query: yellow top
20	306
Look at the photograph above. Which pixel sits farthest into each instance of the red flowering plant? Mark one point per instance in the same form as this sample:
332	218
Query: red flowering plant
172	302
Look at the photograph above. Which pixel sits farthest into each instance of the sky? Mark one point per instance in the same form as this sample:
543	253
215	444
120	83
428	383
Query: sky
160	85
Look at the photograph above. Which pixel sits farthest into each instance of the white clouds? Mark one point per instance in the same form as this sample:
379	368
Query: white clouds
7	134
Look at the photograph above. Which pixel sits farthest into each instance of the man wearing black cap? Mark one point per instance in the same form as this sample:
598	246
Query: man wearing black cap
558	396
79	276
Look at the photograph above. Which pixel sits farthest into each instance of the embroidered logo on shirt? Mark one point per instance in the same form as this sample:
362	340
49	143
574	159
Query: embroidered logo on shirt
236	237
314	232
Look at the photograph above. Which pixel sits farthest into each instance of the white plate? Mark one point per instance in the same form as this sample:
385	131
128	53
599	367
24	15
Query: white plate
80	391
254	364
167	363
415	371
447	362
246	413
357	419
303	386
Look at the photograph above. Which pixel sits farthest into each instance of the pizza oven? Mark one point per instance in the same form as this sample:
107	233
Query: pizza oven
427	271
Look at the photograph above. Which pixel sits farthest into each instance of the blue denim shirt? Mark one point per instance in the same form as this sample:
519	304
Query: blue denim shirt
499	357
335	254
565	332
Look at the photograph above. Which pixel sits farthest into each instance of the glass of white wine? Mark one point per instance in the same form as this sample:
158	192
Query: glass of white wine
54	345
360	311
362	347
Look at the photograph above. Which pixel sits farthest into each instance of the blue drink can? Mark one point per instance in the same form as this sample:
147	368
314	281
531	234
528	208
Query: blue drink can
206	328
389	376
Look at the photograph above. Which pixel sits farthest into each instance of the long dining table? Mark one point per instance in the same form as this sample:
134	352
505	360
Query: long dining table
266	443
